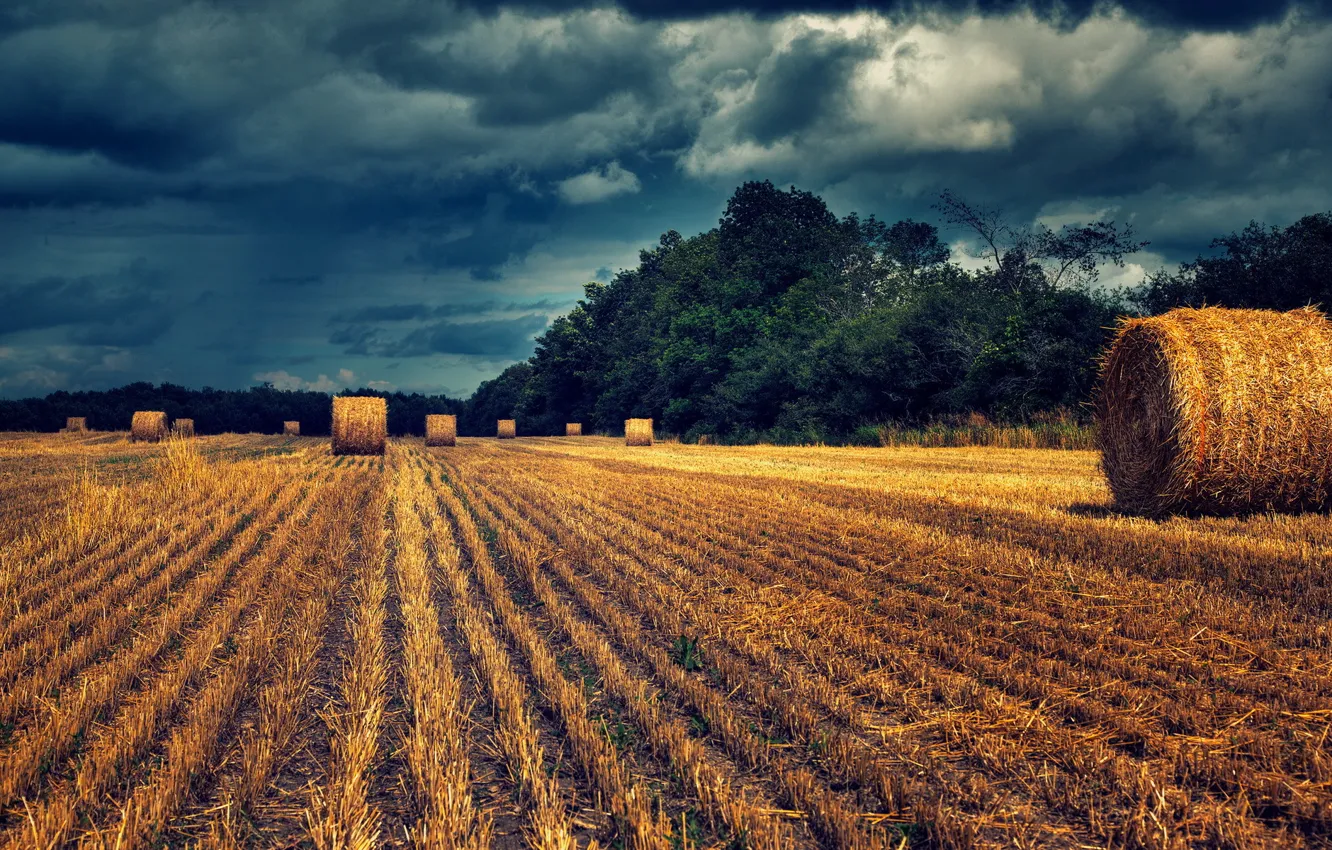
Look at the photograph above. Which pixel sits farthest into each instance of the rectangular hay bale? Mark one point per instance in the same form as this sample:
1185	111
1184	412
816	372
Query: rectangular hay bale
638	432
360	425
573	429
183	427
76	423
441	429
291	428
507	429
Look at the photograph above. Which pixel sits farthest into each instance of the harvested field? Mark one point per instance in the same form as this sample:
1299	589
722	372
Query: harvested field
248	641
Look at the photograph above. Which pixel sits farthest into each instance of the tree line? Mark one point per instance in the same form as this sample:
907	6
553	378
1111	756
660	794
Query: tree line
787	324
260	409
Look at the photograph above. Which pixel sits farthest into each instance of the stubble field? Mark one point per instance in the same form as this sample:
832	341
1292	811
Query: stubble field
554	643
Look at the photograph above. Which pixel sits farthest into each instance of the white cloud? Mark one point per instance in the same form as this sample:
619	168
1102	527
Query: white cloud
599	184
284	380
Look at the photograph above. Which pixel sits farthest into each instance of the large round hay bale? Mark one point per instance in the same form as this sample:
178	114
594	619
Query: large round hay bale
441	429
360	425
1218	411
148	426
573	429
291	428
183	427
76	423
506	429
638	432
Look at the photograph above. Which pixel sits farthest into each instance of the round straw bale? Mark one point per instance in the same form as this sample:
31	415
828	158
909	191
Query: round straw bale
148	426
1222	411
441	429
507	429
291	428
638	432
76	423
573	429
360	425
183	427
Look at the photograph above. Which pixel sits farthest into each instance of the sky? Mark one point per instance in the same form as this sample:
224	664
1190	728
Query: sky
403	193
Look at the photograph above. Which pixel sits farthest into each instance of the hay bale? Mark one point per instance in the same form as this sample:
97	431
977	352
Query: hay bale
638	432
507	429
183	427
291	428
1218	411
573	429
441	429
360	425
148	426
76	423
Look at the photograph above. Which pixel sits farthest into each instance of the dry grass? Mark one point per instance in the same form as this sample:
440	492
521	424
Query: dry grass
148	426
563	645
76	423
573	429
506	429
1219	411
638	432
182	428
291	428
360	425
441	429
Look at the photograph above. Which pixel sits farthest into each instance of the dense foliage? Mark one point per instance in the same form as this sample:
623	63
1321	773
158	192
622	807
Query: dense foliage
785	323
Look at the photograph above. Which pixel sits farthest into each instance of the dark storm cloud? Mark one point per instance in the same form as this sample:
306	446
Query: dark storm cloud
75	91
293	279
122	310
488	338
481	234
410	312
546	81
796	91
1226	14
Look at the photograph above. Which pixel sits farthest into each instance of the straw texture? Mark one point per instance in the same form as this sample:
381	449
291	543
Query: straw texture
507	429
291	428
148	426
573	429
638	432
1218	411
76	423
360	425
183	427
441	429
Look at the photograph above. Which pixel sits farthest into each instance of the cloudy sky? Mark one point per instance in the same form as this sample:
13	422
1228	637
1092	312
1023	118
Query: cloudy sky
402	193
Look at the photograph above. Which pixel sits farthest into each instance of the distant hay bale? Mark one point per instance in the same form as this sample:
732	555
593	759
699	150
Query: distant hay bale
1218	411
573	429
360	425
76	423
638	432
183	427
705	439
507	430
148	426
441	429
291	428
